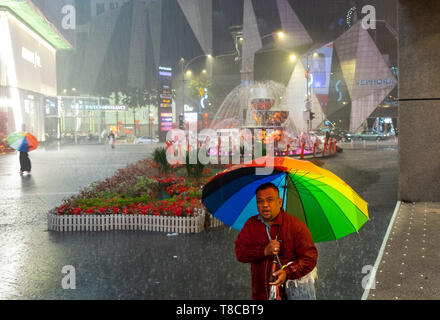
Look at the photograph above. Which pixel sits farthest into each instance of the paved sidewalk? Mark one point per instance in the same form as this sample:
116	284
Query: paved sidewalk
409	264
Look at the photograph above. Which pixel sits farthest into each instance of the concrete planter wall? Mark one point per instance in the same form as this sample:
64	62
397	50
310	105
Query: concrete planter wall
194	224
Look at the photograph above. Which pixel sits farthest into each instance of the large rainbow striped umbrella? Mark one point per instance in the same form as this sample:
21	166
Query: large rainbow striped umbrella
22	141
320	199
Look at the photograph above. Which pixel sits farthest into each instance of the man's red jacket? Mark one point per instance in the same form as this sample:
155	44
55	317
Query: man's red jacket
297	245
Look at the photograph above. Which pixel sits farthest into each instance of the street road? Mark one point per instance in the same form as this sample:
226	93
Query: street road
153	265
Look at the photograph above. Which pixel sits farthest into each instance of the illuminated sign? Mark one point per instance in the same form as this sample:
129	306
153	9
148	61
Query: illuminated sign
191	117
188	108
31	57
165	74
95	107
165	100
166	120
377	82
204	95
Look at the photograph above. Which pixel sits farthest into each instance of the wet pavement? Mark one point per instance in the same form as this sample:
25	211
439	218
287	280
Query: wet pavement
408	265
154	265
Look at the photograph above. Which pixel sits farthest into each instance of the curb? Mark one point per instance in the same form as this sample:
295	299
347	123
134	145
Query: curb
380	254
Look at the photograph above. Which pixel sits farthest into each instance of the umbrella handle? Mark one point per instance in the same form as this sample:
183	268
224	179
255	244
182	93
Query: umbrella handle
284	191
274	266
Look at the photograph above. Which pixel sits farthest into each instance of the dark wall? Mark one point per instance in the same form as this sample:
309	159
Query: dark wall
419	116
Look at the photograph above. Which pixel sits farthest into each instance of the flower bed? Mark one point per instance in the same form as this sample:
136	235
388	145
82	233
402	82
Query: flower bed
136	199
4	147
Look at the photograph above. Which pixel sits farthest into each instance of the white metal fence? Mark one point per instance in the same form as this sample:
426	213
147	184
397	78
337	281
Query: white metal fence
194	224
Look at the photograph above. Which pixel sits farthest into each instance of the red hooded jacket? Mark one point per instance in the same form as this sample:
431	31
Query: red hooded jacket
296	245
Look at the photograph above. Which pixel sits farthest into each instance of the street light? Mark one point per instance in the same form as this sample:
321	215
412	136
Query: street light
308	102
280	34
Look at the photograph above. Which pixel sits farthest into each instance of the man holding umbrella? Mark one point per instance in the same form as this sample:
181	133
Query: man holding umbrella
274	237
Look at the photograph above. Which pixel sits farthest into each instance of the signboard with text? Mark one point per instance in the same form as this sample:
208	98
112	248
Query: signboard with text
165	110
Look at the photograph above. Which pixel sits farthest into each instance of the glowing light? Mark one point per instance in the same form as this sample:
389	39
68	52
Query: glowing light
7	55
292	57
189	73
280	34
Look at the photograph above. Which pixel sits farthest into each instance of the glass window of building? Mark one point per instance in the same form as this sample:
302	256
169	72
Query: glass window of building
100	8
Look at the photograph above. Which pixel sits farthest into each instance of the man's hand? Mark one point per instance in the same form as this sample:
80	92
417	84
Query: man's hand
272	248
280	276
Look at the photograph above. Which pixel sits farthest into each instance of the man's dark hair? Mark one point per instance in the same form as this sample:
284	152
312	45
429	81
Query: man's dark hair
267	185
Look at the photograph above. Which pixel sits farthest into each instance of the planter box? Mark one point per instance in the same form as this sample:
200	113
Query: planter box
194	224
215	222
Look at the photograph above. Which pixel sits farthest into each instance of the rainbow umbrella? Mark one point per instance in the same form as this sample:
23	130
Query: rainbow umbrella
319	198
22	141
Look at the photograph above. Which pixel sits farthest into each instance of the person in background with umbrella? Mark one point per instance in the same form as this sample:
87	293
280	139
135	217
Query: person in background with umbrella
275	236
25	162
24	143
112	139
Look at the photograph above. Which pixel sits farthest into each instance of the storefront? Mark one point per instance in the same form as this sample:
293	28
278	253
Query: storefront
28	86
90	119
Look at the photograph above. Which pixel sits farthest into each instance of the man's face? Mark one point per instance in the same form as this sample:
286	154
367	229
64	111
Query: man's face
268	204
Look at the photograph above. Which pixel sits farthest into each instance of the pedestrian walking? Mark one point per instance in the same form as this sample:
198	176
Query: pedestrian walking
275	236
327	137
112	139
25	162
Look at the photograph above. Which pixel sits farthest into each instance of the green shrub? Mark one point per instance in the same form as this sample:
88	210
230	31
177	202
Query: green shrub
193	170
160	159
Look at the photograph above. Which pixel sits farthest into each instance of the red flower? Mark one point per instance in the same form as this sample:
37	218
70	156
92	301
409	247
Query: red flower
89	211
156	214
101	210
115	209
125	211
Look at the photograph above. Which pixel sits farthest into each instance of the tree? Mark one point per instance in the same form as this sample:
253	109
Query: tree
117	98
139	97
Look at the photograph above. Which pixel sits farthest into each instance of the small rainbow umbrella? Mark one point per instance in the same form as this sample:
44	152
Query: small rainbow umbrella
22	141
329	207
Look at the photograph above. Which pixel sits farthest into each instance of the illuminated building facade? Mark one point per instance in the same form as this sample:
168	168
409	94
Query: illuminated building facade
28	82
